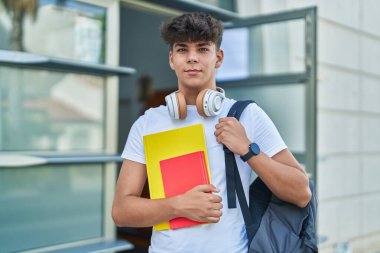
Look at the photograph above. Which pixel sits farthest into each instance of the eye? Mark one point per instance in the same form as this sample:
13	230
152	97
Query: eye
181	50
204	49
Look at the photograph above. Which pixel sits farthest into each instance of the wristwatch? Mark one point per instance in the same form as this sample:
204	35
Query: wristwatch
254	150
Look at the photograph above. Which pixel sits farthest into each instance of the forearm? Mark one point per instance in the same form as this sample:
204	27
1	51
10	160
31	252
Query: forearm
133	211
286	182
198	204
281	173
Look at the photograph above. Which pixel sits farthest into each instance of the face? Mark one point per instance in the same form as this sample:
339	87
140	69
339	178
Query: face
195	64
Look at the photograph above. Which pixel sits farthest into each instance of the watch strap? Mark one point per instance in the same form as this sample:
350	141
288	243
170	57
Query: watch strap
247	156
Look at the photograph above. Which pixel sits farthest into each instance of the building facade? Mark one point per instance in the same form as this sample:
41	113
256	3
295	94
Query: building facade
72	75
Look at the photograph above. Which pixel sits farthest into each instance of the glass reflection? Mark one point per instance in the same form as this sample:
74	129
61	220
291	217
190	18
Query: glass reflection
224	4
284	104
58	28
44	206
50	111
276	48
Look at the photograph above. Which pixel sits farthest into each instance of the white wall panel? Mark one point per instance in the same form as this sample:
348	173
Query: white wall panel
338	46
370	55
370	134
338	89
371	173
370	97
339	176
338	133
370	16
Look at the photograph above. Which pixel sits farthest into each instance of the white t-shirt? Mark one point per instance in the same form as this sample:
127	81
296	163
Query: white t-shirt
228	235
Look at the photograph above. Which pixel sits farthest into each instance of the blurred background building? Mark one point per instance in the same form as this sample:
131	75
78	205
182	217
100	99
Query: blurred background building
74	75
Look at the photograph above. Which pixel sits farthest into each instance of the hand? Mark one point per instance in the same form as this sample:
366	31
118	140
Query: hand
199	204
230	132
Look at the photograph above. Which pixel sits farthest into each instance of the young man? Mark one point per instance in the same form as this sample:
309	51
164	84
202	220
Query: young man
195	54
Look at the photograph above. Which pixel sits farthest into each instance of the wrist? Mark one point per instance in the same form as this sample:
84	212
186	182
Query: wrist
244	148
175	206
253	150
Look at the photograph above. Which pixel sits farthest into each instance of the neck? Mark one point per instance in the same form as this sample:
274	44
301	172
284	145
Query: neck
192	93
191	97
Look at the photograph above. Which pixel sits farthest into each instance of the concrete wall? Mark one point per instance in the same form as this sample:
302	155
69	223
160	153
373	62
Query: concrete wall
348	118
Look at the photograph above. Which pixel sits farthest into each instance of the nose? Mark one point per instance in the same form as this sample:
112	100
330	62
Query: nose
192	57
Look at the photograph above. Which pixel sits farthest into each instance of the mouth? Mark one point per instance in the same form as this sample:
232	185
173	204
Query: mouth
193	71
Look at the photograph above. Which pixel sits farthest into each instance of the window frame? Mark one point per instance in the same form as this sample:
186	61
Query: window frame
109	159
307	77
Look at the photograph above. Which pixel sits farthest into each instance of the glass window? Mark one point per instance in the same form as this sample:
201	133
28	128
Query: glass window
68	29
224	4
50	111
275	48
48	205
284	104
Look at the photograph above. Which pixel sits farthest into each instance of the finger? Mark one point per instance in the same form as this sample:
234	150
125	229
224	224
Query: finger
219	140
222	137
215	213
217	206
213	219
207	188
222	119
221	126
215	198
227	120
218	132
217	126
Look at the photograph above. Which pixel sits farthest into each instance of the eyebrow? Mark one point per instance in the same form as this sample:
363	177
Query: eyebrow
180	45
200	44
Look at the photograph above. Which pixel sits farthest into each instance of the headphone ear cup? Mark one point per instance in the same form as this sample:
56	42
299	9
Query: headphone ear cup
199	103
176	104
210	102
181	104
171	104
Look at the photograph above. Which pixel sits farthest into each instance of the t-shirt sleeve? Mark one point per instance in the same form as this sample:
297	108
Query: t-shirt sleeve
134	147
265	133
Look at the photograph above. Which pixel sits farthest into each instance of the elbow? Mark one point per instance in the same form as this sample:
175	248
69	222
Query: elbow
122	217
304	198
117	217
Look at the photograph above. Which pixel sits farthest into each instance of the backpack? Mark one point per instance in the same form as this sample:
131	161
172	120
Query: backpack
272	225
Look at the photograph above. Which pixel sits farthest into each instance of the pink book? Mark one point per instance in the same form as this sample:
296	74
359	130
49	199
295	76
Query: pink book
180	174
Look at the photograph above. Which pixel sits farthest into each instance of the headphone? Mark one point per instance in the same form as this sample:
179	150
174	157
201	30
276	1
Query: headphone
208	103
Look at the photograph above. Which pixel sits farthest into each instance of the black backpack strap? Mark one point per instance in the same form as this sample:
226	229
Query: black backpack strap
233	179
235	111
244	205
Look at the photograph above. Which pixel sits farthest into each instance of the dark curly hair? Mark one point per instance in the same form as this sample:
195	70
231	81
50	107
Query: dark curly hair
194	26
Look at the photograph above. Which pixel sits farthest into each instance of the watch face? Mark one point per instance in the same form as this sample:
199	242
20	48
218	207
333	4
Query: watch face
255	148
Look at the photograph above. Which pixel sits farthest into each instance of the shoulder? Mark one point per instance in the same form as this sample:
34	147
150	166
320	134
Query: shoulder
249	111
151	115
154	114
228	103
255	116
156	111
255	109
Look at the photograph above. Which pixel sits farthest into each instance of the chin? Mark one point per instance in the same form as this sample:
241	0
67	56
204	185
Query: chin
194	86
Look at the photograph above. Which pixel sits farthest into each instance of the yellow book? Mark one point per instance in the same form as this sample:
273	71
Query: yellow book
169	144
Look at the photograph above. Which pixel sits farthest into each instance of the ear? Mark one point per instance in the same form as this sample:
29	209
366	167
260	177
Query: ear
219	58
171	60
